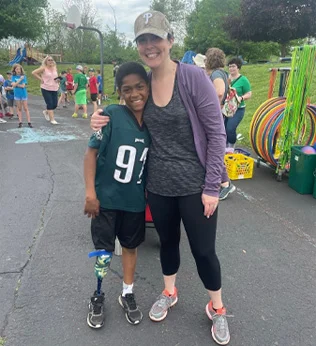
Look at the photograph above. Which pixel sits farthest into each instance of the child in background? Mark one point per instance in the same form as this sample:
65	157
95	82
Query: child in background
2	105
115	69
19	82
9	93
115	190
69	85
86	73
2	100
93	89
62	89
80	90
100	87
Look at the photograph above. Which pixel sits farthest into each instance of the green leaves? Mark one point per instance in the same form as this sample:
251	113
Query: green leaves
270	20
22	19
205	25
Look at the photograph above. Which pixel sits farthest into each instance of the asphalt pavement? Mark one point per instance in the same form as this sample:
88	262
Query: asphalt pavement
266	243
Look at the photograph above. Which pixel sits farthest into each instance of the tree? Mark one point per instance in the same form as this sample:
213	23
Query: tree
205	26
176	11
22	19
269	20
53	36
82	45
173	9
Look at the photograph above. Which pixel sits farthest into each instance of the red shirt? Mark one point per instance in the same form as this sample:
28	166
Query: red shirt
93	85
69	81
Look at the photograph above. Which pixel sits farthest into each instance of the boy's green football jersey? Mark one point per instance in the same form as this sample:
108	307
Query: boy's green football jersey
123	145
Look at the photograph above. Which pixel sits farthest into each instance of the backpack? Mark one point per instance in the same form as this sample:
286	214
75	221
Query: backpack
231	102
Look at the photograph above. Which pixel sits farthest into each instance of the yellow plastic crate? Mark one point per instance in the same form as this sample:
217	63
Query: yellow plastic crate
239	166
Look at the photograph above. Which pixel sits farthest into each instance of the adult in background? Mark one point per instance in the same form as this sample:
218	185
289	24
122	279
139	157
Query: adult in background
243	89
199	60
215	61
184	171
48	76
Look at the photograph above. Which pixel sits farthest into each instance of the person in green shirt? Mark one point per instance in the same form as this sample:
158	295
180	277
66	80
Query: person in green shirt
243	89
80	91
115	188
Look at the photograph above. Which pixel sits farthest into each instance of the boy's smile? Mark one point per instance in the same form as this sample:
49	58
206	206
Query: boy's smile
135	92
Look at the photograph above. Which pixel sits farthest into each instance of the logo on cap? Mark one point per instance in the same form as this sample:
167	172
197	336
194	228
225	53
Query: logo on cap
147	16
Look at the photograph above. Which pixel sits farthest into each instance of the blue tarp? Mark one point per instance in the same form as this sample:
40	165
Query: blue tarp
188	57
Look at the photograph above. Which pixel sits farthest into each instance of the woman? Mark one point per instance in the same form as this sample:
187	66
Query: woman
184	171
214	64
215	60
48	76
243	89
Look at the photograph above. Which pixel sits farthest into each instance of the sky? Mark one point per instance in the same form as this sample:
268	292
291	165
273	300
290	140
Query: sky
126	13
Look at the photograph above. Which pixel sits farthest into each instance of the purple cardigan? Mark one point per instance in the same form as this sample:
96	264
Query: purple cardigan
201	102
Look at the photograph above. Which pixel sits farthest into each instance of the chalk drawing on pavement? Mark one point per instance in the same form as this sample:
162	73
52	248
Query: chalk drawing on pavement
44	135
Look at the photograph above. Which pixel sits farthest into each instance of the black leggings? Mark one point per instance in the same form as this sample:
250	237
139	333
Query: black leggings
167	213
50	98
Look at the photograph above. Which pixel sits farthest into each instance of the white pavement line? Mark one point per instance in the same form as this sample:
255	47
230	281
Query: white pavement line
293	228
245	195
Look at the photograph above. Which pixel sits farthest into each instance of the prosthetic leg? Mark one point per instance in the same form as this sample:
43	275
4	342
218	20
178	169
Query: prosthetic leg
101	266
95	317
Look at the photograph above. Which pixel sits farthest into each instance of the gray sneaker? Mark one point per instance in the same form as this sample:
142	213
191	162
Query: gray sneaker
95	318
132	312
164	302
225	191
219	330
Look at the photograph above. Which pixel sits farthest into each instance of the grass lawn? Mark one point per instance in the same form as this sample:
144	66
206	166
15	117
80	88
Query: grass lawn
258	76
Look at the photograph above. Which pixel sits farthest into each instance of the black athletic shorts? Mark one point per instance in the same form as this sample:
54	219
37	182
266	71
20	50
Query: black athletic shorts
127	226
94	97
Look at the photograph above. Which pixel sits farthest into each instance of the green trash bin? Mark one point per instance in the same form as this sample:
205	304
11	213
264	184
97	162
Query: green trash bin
301	177
314	192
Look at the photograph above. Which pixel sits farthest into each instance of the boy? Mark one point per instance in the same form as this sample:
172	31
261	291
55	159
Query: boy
115	69
100	87
62	89
85	72
80	90
2	100
115	199
93	88
69	84
9	93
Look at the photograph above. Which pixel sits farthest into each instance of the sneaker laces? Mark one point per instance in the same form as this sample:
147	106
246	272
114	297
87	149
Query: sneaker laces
221	322
97	305
130	299
163	301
